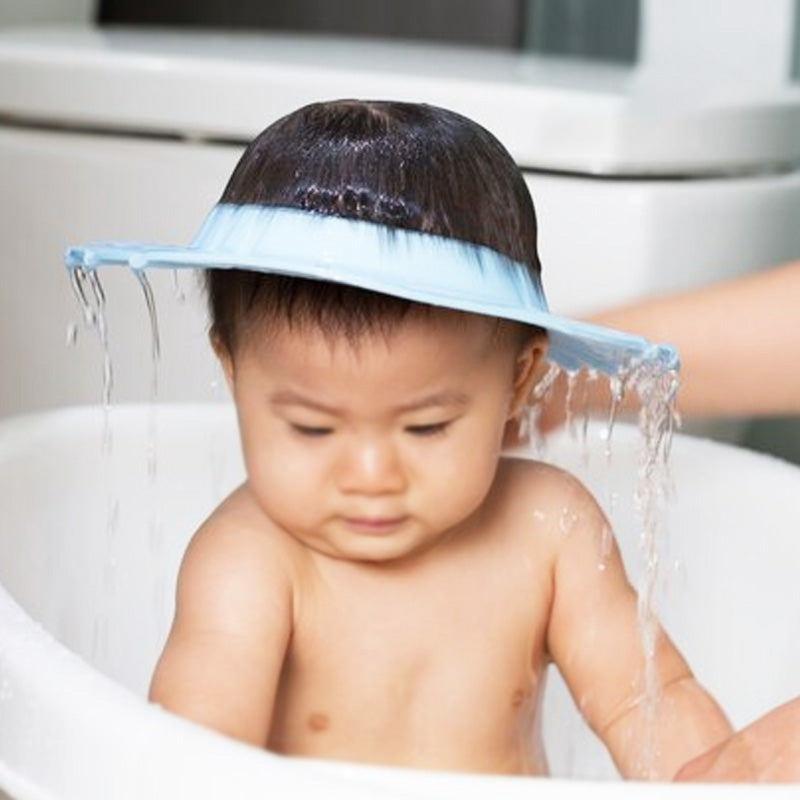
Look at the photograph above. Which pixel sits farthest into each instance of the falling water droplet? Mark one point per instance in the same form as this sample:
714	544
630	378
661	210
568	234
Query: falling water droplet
529	416
155	339
177	289
71	334
91	299
606	547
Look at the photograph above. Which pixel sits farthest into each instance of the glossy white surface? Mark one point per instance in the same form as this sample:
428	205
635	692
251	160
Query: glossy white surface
89	546
551	114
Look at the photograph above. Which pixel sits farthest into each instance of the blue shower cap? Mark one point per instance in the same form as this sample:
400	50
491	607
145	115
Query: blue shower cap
422	267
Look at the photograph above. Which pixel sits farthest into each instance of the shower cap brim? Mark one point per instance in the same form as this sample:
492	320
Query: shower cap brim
421	267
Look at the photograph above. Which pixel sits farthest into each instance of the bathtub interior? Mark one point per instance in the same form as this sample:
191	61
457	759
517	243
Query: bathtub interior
97	534
92	537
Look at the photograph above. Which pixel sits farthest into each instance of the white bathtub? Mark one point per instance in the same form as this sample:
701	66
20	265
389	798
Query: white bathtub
89	545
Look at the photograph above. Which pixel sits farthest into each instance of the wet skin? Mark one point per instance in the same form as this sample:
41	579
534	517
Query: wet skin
385	587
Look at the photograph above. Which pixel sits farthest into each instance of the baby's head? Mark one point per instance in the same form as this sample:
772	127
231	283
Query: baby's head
401	165
372	424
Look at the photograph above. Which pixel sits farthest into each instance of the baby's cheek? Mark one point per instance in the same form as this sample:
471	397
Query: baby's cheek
279	484
465	487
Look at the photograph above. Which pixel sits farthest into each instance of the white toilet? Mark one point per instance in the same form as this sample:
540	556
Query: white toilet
642	184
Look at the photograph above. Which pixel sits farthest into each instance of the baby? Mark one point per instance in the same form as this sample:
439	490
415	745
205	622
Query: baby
386	586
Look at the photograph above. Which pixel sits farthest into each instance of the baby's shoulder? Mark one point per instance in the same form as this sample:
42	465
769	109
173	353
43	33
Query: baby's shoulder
543	497
528	480
239	542
234	579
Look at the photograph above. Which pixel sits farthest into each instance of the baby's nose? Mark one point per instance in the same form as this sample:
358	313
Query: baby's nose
372	466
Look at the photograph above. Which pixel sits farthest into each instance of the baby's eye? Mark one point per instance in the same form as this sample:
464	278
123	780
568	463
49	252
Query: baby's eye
427	430
311	430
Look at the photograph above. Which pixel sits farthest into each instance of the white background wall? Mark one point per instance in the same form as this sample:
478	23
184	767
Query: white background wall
746	40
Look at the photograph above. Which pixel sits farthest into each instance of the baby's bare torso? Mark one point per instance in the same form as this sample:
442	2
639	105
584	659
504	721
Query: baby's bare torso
434	659
436	663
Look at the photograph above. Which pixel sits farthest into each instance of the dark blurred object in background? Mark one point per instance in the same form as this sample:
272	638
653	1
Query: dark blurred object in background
605	30
602	30
494	23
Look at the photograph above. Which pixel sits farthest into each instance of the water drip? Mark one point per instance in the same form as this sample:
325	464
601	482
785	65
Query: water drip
71	335
177	289
530	415
655	389
155	357
658	419
154	524
155	339
606	547
93	305
92	301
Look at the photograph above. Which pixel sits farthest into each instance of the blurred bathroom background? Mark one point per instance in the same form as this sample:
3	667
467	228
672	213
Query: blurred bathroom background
742	42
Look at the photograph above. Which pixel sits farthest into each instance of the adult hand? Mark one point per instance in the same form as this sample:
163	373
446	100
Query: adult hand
768	750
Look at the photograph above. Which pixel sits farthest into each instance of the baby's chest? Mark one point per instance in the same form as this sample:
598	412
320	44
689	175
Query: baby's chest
442	651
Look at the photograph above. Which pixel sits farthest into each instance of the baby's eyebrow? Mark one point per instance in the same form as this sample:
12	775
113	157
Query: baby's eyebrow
446	397
289	397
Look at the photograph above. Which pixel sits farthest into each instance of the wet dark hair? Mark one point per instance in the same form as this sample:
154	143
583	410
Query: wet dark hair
404	165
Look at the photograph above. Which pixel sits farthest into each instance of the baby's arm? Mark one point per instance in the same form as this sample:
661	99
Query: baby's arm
595	641
221	664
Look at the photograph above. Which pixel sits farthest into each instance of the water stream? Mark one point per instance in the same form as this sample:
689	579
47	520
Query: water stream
655	389
91	299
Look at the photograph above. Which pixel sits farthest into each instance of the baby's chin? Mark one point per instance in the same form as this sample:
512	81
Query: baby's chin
378	542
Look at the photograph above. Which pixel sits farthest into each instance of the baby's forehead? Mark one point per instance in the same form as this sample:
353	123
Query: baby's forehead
356	330
379	370
427	327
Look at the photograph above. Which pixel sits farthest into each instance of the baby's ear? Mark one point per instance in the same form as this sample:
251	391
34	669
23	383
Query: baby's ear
527	371
224	355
